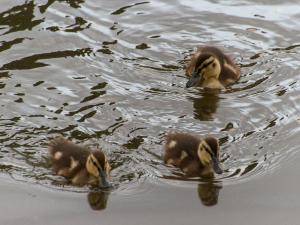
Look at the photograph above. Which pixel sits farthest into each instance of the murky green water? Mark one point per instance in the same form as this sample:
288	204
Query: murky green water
111	74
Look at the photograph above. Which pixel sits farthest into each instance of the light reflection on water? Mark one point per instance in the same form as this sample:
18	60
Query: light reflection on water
113	75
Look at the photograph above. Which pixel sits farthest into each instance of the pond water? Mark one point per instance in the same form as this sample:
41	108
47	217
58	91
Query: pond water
111	74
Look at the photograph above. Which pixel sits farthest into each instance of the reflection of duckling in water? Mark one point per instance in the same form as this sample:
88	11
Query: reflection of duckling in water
205	106
78	164
209	193
98	199
211	68
194	156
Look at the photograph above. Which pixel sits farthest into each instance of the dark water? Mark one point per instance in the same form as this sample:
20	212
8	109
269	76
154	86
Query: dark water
111	74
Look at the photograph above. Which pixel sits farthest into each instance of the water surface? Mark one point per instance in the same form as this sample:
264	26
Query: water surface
111	74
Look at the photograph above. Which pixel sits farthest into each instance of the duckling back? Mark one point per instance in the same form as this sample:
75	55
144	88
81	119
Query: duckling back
181	151
68	159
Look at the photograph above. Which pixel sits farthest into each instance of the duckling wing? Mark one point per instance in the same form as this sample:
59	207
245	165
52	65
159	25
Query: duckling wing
67	157
230	72
179	147
191	167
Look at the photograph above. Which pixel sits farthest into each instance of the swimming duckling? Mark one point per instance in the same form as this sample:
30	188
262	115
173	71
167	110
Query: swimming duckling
78	164
211	68
194	156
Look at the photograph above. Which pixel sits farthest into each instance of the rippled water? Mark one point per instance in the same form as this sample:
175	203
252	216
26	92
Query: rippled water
111	74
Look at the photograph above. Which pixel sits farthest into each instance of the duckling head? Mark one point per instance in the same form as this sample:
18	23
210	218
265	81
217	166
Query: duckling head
98	166
208	153
208	66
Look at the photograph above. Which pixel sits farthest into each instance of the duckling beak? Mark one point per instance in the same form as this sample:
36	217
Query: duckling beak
216	165
104	180
193	81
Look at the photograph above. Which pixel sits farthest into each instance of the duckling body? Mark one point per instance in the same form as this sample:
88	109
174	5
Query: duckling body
209	67
78	164
193	155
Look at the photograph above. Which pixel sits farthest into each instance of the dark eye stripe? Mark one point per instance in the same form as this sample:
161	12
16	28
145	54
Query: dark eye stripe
95	164
204	66
209	151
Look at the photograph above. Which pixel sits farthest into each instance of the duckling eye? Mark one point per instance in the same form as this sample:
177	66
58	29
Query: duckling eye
214	65
209	151
94	163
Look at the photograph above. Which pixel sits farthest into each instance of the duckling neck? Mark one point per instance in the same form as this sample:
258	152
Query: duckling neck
213	83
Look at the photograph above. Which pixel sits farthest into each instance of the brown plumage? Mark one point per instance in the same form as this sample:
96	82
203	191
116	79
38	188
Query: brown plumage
193	155
78	164
209	67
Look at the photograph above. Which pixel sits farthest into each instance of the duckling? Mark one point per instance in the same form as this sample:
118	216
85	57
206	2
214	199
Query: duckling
211	68
193	155
78	164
